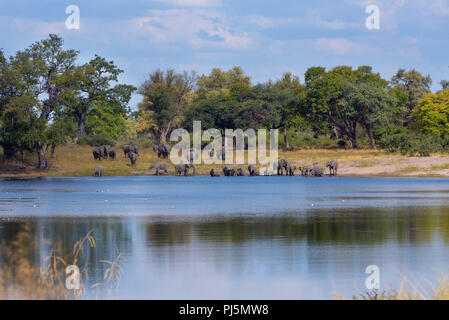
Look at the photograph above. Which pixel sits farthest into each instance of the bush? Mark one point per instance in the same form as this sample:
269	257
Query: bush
408	143
96	141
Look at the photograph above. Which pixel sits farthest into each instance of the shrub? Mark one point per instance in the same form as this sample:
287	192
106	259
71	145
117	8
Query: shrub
96	141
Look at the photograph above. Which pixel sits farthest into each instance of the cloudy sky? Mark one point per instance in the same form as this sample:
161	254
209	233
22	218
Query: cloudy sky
265	37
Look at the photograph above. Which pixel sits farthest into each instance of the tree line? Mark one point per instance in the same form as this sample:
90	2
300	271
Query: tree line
47	99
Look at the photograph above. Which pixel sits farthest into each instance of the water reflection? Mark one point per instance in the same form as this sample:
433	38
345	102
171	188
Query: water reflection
285	256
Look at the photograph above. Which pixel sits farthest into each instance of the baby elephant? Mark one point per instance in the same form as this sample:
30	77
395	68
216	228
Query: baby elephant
184	169
215	172
333	167
159	166
317	170
98	171
291	170
240	172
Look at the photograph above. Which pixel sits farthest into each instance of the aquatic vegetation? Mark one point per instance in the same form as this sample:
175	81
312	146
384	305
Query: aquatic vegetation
22	278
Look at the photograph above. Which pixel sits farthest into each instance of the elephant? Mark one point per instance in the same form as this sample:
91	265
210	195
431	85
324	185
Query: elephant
98	171
306	170
112	154
291	170
317	170
228	172
128	149
252	169
240	172
215	172
133	157
333	167
105	150
159	166
183	168
163	150
283	166
97	153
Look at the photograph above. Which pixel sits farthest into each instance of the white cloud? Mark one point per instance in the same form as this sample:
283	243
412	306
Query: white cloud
195	27
341	46
32	26
439	7
192	3
270	22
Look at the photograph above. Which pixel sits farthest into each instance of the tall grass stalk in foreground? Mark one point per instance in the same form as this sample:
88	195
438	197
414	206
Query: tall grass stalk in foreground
408	291
22	278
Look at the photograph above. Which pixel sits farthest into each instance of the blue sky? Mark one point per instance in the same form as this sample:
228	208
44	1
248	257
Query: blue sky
265	37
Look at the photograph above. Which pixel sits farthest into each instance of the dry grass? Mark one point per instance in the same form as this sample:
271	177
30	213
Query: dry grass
409	291
22	278
74	160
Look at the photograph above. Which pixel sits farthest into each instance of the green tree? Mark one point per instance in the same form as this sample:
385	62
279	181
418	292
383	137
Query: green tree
415	85
432	113
37	78
168	95
94	88
346	99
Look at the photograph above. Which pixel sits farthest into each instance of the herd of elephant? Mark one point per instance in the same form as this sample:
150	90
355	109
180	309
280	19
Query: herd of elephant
282	167
105	152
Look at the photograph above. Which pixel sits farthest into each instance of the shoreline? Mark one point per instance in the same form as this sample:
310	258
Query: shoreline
77	161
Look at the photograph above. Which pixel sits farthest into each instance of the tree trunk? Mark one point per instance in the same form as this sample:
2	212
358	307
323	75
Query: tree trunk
337	135
81	125
42	160
53	147
371	138
164	134
22	157
287	146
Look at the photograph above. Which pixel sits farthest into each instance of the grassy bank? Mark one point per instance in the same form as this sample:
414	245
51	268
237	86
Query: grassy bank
74	160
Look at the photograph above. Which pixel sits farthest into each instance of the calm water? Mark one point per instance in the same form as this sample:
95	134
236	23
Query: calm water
239	237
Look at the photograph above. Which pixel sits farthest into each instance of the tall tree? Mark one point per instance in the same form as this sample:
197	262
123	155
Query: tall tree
94	87
346	99
415	85
38	78
168	95
432	113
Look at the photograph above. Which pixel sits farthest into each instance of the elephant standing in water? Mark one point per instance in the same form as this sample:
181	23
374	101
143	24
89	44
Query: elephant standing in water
228	172
283	166
98	171
240	172
333	167
159	166
252	169
291	170
184	169
317	170
215	172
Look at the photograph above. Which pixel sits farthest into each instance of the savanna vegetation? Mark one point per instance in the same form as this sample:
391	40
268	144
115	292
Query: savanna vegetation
48	99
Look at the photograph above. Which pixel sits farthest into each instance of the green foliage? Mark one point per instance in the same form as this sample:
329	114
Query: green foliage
166	96
106	120
414	85
432	113
96	141
408	143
